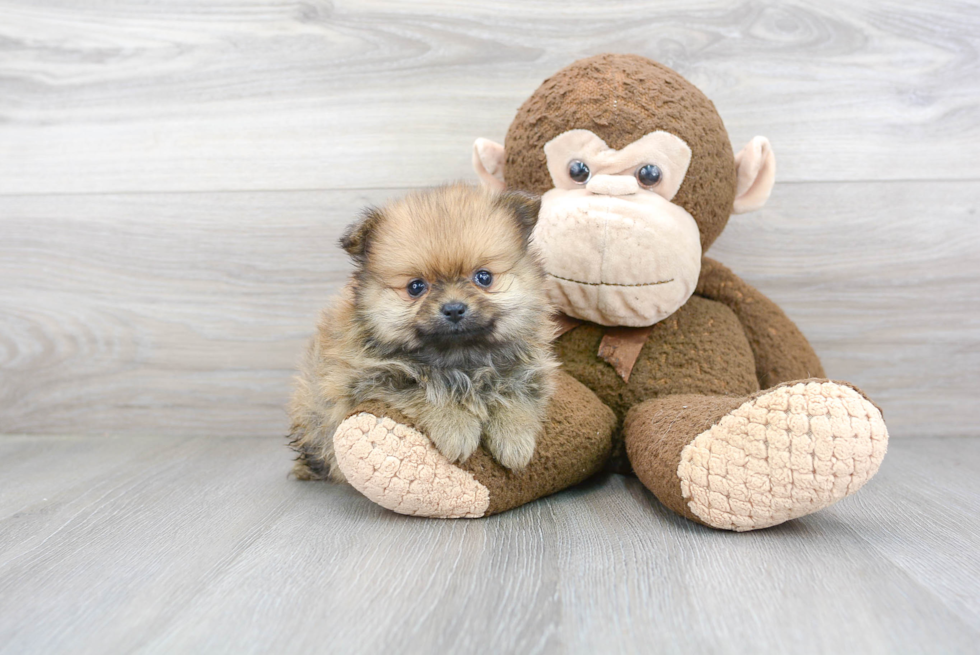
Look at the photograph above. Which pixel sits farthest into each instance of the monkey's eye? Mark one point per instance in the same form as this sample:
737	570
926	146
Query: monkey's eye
579	172
483	278
649	175
416	287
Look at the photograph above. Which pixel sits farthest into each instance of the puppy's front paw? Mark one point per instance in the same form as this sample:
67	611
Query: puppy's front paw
455	434
512	442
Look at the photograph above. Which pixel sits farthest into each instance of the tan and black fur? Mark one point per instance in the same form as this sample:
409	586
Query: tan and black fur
486	374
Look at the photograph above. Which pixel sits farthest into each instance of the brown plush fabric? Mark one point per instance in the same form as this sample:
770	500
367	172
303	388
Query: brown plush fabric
575	445
620	98
656	433
781	351
701	348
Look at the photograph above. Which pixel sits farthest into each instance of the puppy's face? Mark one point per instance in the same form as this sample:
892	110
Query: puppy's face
447	269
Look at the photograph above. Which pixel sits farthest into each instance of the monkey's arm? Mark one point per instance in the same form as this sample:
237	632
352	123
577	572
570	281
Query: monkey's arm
781	351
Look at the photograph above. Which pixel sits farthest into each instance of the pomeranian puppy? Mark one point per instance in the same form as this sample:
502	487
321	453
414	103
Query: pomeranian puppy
445	319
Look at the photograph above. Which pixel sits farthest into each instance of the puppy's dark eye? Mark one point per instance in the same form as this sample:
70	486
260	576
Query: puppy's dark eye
416	287
579	172
483	278
649	175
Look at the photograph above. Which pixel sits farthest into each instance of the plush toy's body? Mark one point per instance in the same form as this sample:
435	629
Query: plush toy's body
717	397
717	361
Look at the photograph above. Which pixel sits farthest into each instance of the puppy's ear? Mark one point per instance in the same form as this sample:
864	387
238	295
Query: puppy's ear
524	207
358	233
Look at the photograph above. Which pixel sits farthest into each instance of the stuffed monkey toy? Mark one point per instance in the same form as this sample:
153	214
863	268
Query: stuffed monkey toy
700	384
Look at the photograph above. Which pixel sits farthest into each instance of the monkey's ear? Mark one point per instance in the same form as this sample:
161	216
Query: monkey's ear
524	207
756	170
488	162
356	235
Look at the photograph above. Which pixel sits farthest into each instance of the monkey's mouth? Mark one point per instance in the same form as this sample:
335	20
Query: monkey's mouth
609	284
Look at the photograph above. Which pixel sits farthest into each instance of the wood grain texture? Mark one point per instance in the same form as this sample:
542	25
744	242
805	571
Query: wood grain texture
203	545
187	313
173	179
252	94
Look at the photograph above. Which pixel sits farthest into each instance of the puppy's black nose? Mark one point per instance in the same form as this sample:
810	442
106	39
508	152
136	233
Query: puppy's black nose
454	311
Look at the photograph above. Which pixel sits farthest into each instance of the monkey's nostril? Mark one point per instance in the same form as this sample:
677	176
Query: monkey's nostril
454	311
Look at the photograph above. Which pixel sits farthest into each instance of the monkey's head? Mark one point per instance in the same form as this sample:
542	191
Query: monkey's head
637	178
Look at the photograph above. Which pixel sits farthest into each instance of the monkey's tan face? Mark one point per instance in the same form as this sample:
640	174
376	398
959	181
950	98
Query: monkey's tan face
616	250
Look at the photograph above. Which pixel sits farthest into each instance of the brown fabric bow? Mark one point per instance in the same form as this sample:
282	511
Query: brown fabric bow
620	346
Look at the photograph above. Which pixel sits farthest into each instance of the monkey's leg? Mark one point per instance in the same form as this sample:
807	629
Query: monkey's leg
387	459
754	462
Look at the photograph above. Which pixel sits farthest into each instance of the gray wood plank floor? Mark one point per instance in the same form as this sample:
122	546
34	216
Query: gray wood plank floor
203	545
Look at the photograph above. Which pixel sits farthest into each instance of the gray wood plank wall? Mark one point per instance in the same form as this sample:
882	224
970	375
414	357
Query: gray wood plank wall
174	175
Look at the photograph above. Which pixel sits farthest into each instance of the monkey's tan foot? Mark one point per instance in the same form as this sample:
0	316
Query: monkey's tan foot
395	465
749	463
